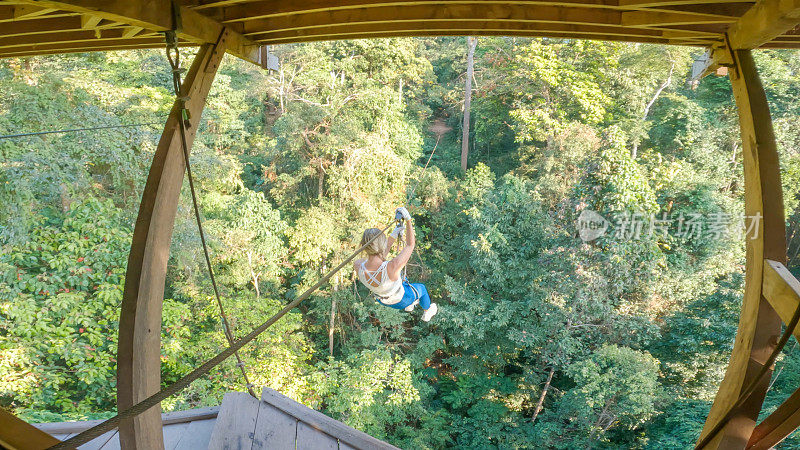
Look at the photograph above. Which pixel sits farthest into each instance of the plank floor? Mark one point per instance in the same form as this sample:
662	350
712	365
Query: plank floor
274	422
278	422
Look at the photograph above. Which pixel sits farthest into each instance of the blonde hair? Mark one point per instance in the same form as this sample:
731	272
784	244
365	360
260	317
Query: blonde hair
378	245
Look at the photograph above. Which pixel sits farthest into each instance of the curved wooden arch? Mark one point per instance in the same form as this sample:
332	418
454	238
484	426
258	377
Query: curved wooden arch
139	348
759	324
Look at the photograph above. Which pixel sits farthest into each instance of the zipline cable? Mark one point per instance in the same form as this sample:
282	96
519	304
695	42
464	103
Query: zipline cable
174	388
411	195
75	130
174	55
424	168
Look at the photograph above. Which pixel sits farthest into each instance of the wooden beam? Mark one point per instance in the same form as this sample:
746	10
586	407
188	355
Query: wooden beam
81	47
778	425
765	21
279	8
353	31
662	3
716	57
89	21
156	15
131	32
30	11
484	32
139	348
759	325
782	290
16	434
45	25
203	4
55	39
732	10
386	15
659	18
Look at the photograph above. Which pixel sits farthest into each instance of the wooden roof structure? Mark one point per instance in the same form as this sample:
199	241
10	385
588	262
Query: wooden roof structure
34	27
728	29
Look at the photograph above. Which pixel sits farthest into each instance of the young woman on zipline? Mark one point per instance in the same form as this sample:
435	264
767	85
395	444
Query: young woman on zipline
384	278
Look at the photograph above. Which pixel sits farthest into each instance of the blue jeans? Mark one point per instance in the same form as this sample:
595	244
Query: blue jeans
412	292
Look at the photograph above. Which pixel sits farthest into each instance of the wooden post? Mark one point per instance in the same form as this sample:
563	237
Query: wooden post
759	325
139	348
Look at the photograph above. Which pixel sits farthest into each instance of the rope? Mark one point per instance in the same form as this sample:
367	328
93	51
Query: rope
174	388
173	54
75	130
234	345
748	391
411	195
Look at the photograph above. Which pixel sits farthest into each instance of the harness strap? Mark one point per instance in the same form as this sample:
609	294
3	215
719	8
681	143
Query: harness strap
371	274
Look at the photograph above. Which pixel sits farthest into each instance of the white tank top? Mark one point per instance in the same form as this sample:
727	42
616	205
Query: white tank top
389	292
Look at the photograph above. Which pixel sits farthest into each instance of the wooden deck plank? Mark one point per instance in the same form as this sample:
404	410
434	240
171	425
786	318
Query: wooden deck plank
98	442
274	428
344	446
197	435
236	422
309	438
113	443
173	434
328	425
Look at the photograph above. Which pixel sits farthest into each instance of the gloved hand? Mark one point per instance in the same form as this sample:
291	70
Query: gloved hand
404	212
398	231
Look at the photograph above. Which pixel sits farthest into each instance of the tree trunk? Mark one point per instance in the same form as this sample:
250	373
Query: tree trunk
635	148
253	273
333	318
472	42
331	327
540	403
281	91
320	183
400	91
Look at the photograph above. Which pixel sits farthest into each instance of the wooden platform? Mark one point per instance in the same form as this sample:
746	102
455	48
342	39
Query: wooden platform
241	422
278	422
183	430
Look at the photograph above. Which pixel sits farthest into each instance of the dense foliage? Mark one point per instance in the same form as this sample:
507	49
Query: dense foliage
543	340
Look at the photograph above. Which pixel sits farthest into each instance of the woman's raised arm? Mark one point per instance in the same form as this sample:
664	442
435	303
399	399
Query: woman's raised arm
396	265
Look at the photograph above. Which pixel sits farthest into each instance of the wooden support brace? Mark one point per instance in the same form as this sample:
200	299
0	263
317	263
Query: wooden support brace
759	324
716	60
139	350
30	11
782	290
16	434
778	425
89	21
131	32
